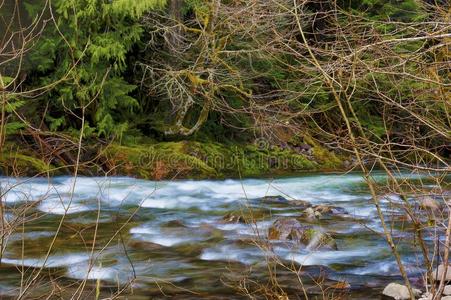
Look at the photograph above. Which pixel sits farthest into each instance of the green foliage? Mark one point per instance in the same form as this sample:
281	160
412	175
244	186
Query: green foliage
204	160
89	49
395	10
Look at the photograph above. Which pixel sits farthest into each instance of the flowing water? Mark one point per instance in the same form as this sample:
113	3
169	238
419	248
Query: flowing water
157	240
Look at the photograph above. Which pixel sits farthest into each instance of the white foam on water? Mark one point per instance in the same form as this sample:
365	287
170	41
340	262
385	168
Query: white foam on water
33	235
144	230
326	257
159	203
85	271
63	205
167	239
16	190
247	255
53	261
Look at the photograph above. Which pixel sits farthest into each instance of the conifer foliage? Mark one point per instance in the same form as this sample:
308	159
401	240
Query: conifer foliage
88	45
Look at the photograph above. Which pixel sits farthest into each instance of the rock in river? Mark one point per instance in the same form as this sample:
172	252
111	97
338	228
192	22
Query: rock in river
430	203
233	218
279	200
447	290
438	273
399	291
274	200
291	229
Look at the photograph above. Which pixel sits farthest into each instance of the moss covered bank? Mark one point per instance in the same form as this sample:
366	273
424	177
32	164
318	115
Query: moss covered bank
170	160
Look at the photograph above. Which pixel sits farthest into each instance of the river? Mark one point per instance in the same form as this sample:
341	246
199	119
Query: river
169	239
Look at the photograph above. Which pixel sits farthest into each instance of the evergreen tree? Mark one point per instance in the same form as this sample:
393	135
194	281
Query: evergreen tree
87	46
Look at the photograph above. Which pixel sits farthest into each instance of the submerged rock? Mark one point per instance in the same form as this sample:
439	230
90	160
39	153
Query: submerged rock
316	239
279	200
274	200
174	224
399	291
311	214
286	229
291	229
300	203
430	203
328	209
318	211
341	285
233	218
438	273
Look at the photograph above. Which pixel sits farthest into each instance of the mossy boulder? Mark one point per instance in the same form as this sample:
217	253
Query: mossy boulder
197	160
23	164
290	229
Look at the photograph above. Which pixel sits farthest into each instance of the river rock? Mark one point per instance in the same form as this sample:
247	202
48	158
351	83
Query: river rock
341	285
447	290
279	200
429	296
328	209
311	214
316	239
292	229
299	203
438	273
233	218
398	291
430	203
286	229
317	211
174	224
274	200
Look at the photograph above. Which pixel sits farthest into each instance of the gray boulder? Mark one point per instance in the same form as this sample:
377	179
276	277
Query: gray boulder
438	273
398	291
447	290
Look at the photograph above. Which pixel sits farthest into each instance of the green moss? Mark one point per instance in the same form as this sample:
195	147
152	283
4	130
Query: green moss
22	164
327	159
182	159
159	160
191	159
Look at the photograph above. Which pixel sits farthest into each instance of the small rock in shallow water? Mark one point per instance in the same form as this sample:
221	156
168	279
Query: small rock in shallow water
426	296
174	224
428	202
329	209
274	200
233	218
398	291
438	273
341	285
285	229
299	203
291	229
311	214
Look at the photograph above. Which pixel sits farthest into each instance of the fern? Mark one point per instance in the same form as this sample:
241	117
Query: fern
14	127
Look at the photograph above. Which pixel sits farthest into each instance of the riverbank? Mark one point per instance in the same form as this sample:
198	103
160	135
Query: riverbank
170	160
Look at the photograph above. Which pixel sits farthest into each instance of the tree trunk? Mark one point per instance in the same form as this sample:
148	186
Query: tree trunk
175	34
